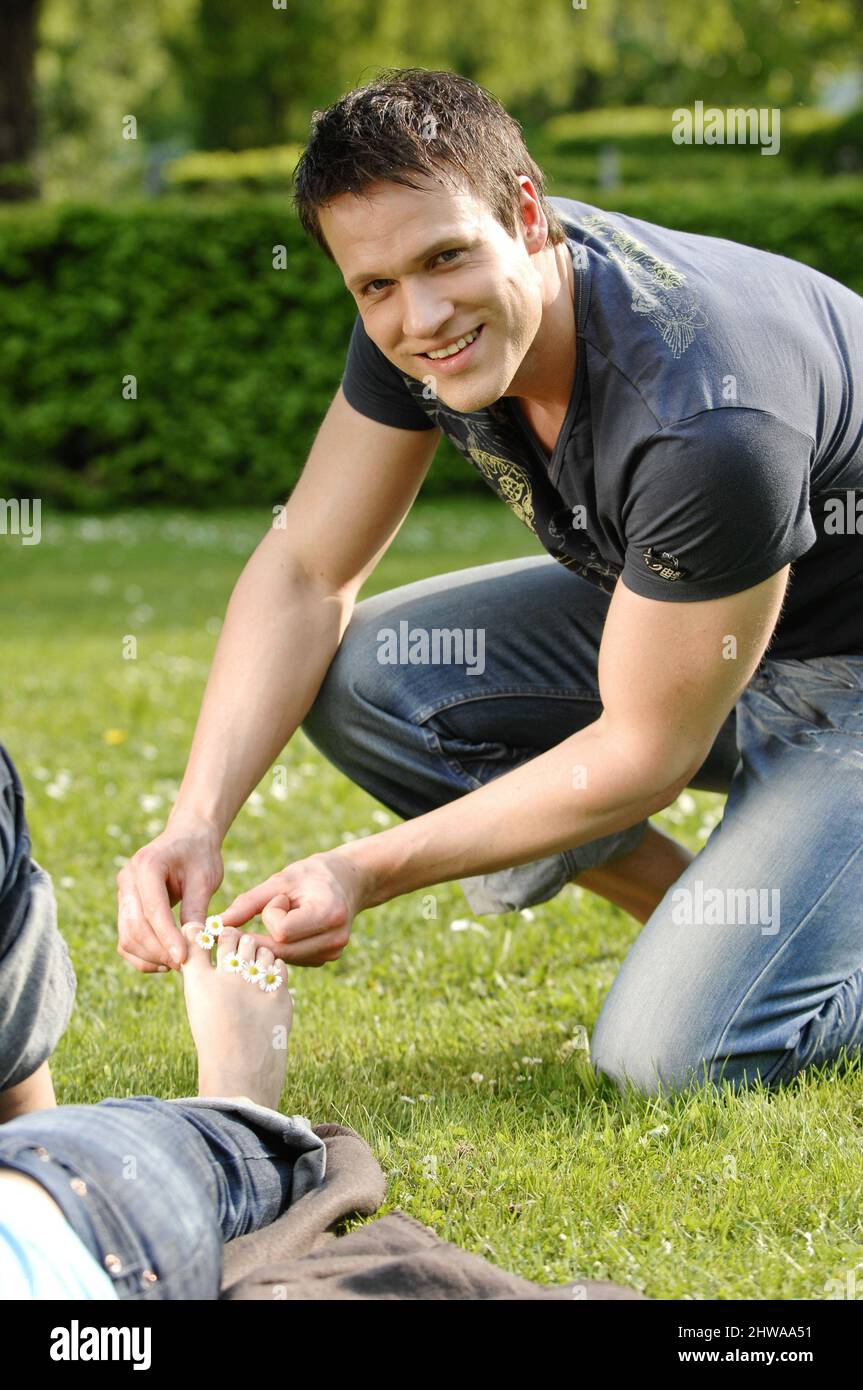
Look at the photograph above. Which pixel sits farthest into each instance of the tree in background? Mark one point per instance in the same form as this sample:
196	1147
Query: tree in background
18	122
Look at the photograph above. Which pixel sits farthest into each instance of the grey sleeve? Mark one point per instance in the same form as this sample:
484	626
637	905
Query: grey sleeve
717	504
37	980
374	387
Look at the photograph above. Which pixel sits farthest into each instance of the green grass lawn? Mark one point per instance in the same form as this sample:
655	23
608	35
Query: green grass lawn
459	1055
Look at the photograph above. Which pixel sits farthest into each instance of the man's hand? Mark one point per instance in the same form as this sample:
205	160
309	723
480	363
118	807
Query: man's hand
307	908
183	864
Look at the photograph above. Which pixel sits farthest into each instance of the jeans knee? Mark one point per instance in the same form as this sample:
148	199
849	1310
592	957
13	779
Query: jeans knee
650	1063
646	1059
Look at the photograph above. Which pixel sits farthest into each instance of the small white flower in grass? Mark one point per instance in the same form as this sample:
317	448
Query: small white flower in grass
251	971
476	1077
527	914
232	963
271	980
466	924
214	925
205	939
687	804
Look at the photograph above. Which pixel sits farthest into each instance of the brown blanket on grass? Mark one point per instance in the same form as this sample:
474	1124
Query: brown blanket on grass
301	1257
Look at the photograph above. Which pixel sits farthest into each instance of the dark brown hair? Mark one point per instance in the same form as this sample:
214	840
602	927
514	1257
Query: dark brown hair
413	122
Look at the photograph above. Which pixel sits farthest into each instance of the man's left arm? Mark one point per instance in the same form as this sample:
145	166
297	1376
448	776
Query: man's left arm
669	674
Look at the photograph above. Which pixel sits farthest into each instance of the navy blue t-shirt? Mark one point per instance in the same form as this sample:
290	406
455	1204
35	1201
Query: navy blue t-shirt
714	433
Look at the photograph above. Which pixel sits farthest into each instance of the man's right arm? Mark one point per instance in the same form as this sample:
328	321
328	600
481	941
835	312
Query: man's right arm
284	622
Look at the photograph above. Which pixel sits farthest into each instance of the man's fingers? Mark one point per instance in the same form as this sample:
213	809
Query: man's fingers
195	906
249	904
157	912
135	941
313	950
290	921
147	967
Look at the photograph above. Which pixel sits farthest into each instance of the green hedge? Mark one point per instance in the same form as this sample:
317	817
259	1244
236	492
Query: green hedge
812	142
227	171
236	362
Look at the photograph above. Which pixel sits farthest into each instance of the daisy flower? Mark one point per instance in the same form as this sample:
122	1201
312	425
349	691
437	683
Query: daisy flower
232	963
214	925
271	979
251	971
205	939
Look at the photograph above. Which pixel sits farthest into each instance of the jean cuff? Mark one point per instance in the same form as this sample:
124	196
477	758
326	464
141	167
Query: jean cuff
295	1131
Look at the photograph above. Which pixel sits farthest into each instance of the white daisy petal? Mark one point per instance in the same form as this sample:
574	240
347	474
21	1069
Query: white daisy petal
232	963
205	939
215	925
251	971
271	980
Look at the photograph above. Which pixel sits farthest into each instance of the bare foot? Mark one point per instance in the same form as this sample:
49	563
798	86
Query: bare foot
240	1030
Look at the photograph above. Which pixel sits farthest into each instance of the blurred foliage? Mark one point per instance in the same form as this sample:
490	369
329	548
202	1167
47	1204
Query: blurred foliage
224	75
266	170
570	149
836	149
98	61
235	361
639	124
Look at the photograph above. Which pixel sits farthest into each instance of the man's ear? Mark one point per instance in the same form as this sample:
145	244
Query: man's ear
533	220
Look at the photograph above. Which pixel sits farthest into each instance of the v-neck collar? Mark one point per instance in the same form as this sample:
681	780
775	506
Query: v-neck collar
553	463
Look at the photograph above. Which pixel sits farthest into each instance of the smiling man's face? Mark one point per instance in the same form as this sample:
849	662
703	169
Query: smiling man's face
431	267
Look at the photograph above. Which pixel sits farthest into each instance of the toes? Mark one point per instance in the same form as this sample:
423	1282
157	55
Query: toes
251	970
227	943
229	958
274	977
198	958
248	945
264	957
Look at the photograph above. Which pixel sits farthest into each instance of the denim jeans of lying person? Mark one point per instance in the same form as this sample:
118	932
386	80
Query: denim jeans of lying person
153	1188
751	966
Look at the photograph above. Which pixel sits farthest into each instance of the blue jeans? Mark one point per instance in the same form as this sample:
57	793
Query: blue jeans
37	980
752	964
154	1187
